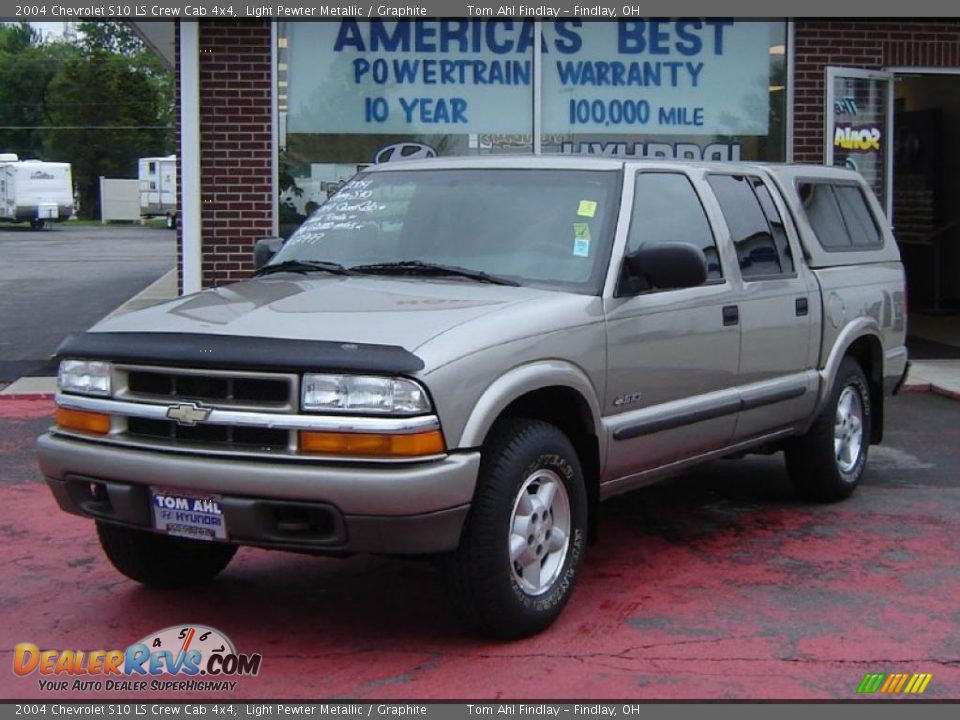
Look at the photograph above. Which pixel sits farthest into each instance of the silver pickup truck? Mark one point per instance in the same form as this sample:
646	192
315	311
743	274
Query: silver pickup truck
460	358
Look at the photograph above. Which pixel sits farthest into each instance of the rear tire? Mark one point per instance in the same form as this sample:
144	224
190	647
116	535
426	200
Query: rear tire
160	560
525	535
827	463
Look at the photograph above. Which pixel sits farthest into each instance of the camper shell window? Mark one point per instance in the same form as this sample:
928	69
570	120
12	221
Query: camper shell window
840	216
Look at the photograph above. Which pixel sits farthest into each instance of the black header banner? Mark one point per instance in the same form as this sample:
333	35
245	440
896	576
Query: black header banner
507	710
160	10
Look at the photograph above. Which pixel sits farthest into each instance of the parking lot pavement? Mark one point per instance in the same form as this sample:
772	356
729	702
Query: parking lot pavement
58	281
717	585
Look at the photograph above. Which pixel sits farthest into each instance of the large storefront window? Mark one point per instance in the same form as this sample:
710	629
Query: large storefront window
688	89
352	93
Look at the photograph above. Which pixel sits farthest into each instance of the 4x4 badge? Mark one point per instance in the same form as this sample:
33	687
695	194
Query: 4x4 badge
188	413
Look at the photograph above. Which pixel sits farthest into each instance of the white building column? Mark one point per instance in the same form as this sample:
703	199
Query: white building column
190	222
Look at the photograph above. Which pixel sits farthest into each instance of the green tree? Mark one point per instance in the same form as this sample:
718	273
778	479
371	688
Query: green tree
109	36
108	105
27	66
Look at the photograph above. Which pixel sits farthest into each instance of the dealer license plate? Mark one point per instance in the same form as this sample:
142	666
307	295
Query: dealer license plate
188	515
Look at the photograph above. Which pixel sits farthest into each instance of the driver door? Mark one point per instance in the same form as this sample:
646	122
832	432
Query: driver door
673	355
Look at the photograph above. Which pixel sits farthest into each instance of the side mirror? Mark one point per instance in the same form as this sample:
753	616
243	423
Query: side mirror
264	250
668	266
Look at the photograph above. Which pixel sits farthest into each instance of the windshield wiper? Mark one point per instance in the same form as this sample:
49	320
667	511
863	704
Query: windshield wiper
303	267
417	267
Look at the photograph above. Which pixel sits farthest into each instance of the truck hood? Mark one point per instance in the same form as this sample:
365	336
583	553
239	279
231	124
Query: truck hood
405	312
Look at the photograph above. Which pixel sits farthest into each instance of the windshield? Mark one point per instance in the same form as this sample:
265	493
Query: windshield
546	228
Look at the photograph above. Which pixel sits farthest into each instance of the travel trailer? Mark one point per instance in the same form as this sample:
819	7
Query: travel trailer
35	191
158	188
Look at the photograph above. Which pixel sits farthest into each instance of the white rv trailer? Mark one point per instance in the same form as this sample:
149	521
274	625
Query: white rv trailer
35	191
158	188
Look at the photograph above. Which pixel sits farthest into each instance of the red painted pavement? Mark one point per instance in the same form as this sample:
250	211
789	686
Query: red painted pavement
689	594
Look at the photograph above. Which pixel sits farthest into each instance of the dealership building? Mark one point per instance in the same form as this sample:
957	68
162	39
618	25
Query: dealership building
274	115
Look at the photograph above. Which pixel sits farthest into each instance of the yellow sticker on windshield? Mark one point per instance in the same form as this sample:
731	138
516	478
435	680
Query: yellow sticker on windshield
588	208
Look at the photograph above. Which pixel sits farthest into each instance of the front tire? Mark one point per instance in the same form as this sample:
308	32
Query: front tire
524	539
827	463
160	560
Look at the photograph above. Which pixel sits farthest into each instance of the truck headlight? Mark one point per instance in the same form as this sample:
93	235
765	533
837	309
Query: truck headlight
363	394
84	377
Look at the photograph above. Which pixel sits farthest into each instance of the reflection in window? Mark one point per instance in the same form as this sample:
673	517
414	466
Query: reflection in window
857	217
756	250
776	224
823	212
549	228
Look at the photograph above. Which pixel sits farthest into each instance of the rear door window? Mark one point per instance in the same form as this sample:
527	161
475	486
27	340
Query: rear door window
750	230
775	222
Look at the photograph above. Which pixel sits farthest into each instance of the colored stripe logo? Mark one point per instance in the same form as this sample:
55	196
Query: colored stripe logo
894	683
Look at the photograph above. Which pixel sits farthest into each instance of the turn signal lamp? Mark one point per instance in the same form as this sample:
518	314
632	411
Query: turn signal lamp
88	422
372	444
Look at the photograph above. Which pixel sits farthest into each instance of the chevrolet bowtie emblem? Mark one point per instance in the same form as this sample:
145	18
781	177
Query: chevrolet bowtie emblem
188	413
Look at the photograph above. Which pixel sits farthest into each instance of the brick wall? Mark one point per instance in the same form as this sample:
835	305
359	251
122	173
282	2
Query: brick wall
863	44
236	152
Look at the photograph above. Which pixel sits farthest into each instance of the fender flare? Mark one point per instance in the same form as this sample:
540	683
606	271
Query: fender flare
854	330
522	380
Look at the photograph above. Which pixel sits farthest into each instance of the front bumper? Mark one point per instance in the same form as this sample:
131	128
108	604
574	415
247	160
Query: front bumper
391	509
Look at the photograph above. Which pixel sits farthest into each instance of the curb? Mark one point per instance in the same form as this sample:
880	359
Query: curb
943	392
932	389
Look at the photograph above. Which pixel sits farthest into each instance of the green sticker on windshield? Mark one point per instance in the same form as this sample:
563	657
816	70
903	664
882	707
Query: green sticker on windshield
581	240
588	208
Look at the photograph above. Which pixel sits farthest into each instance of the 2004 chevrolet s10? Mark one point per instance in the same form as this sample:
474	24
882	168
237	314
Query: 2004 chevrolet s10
462	357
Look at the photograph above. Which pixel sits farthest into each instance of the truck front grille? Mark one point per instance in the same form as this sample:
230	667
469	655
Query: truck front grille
213	389
209	435
225	389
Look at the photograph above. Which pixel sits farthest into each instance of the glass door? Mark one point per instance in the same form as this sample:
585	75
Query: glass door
859	126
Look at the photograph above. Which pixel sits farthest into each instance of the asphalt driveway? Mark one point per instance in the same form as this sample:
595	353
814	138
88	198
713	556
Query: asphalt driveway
63	280
717	585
